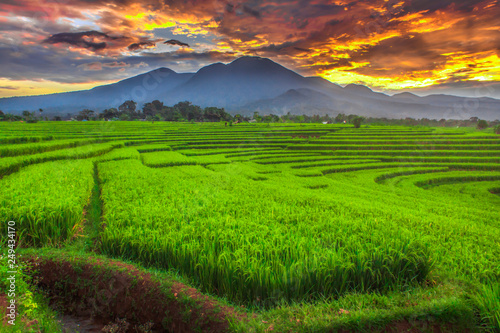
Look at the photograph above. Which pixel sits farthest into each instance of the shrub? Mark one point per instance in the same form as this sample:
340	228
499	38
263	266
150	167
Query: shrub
357	122
482	124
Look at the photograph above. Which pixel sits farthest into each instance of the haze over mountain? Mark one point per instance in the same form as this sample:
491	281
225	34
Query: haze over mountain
251	84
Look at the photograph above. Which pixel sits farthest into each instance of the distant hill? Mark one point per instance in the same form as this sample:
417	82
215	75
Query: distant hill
251	84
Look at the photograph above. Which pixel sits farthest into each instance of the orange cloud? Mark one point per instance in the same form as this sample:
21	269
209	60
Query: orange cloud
389	44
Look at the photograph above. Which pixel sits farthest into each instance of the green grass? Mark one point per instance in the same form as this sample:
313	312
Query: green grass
33	311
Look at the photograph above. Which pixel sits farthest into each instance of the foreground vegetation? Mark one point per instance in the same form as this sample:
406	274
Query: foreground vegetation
312	227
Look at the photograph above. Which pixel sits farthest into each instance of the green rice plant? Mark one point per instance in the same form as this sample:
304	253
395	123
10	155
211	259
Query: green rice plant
488	302
46	201
172	158
424	141
262	158
468	177
232	146
383	177
383	165
268	215
247	258
338	147
35	148
446	159
165	158
13	164
118	154
331	162
229	152
149	148
403	153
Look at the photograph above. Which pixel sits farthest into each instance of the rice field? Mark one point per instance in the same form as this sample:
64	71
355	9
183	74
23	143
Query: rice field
269	217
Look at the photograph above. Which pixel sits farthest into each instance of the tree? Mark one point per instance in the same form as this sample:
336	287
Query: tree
129	108
256	117
29	117
350	118
85	115
124	116
340	118
497	129
213	113
425	121
57	118
357	121
481	124
153	108
158	117
109	113
26	115
9	117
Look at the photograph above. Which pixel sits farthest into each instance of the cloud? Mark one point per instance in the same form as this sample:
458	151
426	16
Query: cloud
301	49
116	64
93	40
252	12
388	44
98	66
175	42
205	57
92	66
141	45
8	88
141	64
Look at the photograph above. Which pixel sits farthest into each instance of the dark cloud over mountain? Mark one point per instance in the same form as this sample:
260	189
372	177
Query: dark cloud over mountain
175	42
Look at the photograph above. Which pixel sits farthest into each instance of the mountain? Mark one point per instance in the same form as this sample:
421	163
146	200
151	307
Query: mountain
251	84
245	80
141	88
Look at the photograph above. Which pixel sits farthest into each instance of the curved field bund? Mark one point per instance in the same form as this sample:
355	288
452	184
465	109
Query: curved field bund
287	227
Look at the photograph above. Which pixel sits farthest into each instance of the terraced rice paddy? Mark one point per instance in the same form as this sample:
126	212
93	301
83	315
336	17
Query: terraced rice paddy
274	218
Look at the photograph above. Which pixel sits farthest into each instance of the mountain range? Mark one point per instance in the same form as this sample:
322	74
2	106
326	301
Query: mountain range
250	84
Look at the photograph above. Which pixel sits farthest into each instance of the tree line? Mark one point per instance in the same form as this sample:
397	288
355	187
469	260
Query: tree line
186	111
157	111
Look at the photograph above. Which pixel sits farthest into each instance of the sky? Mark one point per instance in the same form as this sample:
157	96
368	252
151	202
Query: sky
425	46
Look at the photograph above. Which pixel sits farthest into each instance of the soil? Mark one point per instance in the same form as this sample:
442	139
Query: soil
4	303
72	324
97	294
112	290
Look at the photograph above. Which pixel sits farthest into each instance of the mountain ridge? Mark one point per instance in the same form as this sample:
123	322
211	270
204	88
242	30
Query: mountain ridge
250	84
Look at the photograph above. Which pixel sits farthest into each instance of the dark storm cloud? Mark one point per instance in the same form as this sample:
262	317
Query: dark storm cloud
175	42
37	62
433	5
251	11
277	48
87	39
230	8
140	45
29	62
301	49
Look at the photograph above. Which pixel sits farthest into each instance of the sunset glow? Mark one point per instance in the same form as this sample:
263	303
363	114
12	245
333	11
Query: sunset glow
48	46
